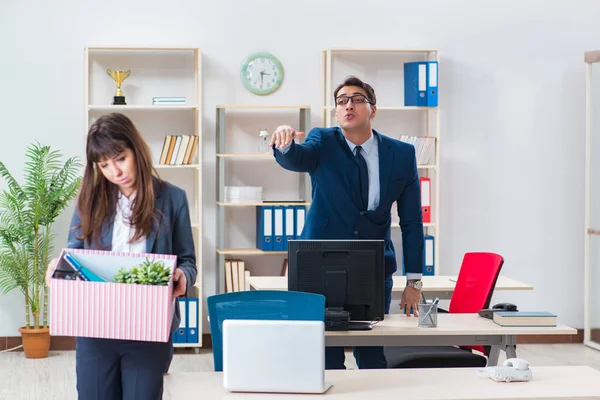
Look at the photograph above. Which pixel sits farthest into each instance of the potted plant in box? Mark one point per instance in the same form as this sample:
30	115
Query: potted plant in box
27	213
149	272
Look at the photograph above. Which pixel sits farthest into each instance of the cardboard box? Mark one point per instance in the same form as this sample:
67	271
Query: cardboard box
111	310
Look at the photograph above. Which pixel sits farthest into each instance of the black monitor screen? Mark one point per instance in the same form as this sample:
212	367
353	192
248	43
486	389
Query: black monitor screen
349	273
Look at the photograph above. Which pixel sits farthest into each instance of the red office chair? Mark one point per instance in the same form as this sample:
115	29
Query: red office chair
473	292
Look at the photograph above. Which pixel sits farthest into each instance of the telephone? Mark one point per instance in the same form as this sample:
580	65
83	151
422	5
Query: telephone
512	370
489	312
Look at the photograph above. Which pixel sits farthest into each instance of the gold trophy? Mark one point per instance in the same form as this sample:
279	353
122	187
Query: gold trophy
118	77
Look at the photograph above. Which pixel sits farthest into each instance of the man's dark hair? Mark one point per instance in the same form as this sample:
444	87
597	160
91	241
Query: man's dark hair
354	81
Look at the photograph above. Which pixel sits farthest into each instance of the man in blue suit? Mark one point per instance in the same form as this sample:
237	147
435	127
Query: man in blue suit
357	174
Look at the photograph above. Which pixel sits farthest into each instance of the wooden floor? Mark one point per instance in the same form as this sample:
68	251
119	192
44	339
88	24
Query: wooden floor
54	377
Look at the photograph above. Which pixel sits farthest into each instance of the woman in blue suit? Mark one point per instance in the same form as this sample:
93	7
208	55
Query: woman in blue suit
123	206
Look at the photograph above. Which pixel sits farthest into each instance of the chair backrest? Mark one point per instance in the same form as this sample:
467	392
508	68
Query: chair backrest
475	285
259	304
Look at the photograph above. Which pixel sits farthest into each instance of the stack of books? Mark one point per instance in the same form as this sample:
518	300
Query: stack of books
423	147
160	101
178	149
235	275
524	318
243	194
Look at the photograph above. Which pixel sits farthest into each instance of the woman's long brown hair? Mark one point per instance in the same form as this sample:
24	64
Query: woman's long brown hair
109	136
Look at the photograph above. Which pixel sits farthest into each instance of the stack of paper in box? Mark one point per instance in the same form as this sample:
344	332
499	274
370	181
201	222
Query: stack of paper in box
524	318
423	147
243	194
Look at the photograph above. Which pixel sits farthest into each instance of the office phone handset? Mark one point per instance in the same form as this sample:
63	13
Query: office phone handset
512	370
489	312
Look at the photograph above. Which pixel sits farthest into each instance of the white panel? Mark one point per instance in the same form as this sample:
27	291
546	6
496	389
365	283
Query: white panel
253	352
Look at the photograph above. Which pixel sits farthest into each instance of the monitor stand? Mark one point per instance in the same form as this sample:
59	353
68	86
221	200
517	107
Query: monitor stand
359	326
336	318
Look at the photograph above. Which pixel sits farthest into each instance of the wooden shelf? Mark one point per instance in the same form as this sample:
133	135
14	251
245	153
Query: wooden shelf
266	107
249	155
222	204
110	107
393	108
182	345
349	50
158	48
269	156
248	252
164	166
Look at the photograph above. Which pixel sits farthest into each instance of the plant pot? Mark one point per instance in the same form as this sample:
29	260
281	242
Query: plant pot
36	342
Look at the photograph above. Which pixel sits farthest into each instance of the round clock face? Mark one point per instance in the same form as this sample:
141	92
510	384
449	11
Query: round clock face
262	73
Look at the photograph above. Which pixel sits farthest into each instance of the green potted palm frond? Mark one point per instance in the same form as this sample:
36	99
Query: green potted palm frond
27	212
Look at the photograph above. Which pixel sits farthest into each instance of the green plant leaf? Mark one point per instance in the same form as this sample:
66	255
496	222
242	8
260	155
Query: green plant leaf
27	212
147	272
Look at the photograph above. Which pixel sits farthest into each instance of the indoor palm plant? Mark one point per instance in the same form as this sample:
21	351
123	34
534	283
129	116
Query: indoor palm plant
27	213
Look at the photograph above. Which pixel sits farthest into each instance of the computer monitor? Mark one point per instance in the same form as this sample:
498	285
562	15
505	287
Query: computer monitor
349	273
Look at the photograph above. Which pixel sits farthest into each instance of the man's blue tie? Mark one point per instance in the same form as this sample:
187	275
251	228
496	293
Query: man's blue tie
364	178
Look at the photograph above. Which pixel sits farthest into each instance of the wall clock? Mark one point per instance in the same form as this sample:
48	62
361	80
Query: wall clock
261	73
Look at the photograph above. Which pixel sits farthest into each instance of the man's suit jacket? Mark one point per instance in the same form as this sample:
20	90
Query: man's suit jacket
335	211
171	234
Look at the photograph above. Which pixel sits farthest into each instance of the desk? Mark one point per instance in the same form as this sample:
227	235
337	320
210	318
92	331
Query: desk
564	383
452	329
440	286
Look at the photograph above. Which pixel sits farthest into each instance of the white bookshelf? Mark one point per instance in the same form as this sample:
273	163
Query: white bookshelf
383	70
591	333
156	71
239	163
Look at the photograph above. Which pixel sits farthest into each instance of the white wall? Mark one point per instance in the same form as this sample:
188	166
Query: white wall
511	94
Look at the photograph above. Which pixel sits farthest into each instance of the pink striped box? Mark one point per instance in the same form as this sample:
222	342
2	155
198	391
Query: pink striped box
111	310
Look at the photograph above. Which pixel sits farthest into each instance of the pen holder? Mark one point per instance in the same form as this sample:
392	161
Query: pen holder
428	315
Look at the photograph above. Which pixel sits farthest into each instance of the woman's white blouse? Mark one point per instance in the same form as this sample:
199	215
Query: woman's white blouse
122	231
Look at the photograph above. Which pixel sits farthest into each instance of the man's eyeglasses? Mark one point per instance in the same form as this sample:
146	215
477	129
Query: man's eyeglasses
356	99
